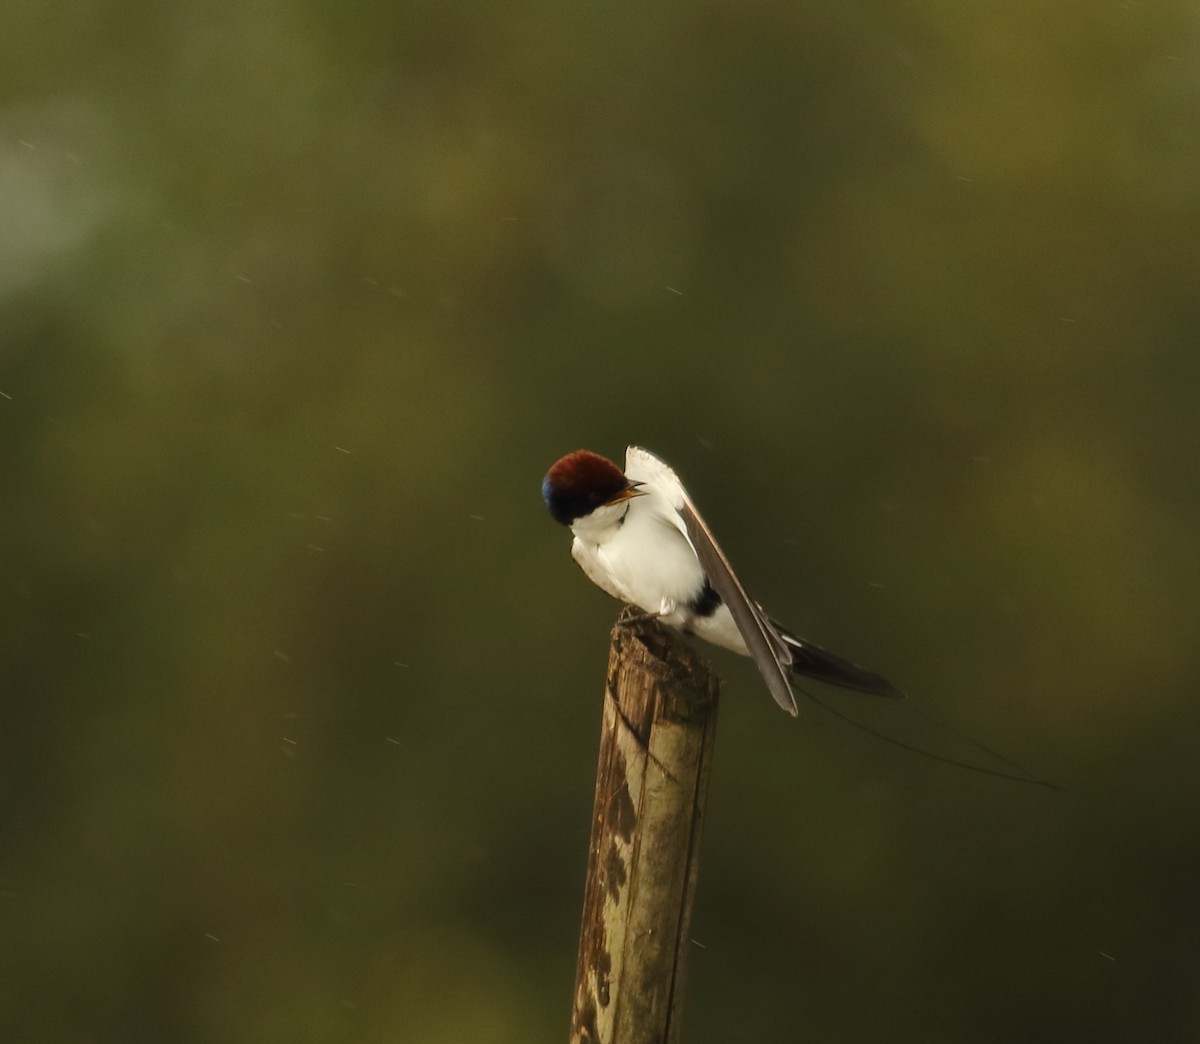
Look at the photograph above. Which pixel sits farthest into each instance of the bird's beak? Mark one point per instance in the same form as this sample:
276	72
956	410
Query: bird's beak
628	493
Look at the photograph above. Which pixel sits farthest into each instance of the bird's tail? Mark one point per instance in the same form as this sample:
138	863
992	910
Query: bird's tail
815	662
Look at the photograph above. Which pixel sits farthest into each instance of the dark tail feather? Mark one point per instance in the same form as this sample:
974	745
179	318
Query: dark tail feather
815	662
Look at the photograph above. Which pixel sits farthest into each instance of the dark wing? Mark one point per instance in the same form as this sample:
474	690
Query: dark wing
762	640
776	651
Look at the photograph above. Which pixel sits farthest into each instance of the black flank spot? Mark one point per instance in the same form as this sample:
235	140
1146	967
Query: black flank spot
706	602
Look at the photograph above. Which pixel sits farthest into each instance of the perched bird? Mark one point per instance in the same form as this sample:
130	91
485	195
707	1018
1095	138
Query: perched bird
639	537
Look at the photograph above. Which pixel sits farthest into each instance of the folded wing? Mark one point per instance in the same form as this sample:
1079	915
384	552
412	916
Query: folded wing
766	645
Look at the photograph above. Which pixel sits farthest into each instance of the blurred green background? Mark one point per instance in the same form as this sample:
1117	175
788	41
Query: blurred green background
301	687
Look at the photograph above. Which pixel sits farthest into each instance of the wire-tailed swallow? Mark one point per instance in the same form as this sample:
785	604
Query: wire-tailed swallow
639	537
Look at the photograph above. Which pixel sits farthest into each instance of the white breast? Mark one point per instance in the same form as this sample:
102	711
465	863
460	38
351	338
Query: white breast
650	559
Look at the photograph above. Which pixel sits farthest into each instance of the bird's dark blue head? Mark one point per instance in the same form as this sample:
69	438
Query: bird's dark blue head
582	481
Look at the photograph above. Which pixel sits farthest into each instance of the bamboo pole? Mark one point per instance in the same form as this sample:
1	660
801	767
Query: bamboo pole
660	714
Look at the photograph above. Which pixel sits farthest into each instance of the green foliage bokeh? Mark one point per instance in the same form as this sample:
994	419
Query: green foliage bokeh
297	305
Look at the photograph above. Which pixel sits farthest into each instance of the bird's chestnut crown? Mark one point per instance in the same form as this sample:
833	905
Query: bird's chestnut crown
580	482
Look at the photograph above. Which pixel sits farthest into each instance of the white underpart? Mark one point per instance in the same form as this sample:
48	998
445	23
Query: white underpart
638	551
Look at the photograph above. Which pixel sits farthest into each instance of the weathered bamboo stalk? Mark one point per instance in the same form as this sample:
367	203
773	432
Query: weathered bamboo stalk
660	715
